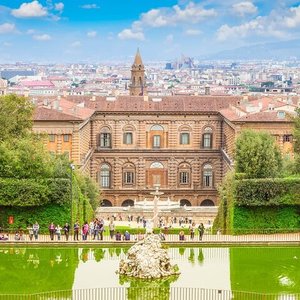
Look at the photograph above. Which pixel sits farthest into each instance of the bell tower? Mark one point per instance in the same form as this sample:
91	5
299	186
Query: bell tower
138	85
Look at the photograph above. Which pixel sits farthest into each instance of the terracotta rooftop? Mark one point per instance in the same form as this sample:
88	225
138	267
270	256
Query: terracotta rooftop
265	116
157	104
48	114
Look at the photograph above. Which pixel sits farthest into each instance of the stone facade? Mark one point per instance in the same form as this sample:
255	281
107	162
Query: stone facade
185	168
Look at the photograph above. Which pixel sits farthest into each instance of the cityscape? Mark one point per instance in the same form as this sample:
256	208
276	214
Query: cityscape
149	150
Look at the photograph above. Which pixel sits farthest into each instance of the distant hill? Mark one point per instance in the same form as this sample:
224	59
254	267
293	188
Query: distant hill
277	50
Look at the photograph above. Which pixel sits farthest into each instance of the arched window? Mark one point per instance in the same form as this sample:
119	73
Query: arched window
105	138
128	202
156	134
106	203
207	138
185	202
207	202
157	127
156	165
128	175
105	175
207	175
184	174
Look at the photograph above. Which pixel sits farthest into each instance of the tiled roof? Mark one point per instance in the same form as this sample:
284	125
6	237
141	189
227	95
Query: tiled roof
265	116
158	104
48	114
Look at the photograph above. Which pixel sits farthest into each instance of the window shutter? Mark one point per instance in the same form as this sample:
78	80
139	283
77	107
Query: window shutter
211	140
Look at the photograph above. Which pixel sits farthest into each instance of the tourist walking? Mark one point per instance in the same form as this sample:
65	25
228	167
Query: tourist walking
96	229
58	232
30	231
201	231
66	230
36	228
111	229
76	230
101	229
192	231
51	231
85	230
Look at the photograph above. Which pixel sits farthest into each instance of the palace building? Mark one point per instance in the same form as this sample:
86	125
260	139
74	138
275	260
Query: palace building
183	143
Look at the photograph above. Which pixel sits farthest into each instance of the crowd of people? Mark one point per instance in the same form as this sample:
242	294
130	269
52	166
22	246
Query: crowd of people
96	228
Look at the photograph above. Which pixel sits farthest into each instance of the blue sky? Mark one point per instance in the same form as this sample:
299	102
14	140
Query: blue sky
111	30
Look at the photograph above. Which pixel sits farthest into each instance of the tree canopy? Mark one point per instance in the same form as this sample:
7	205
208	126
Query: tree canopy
257	155
23	155
15	117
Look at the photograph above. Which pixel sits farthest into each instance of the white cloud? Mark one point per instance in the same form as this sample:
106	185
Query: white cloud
7	28
59	6
76	44
92	34
30	10
30	31
129	34
42	37
193	32
244	8
90	6
293	19
191	13
167	16
275	24
7	44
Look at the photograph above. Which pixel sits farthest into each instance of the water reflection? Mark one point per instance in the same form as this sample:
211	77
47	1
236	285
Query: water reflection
259	270
141	289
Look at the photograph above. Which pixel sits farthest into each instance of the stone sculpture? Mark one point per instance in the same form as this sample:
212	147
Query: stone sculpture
148	260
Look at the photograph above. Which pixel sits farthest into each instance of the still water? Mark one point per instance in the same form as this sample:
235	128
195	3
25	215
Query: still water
260	270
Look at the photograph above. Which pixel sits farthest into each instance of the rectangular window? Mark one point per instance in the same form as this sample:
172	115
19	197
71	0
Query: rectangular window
287	138
184	177
66	138
105	179
184	138
51	138
128	178
207	179
156	141
127	138
207	140
105	140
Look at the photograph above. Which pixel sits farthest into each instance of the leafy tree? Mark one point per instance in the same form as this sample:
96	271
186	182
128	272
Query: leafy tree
89	188
297	140
257	155
25	158
15	117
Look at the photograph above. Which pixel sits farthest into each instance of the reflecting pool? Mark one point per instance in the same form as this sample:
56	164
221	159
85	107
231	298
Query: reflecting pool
256	269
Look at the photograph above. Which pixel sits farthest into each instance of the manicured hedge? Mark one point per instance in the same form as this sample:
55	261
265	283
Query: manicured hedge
32	192
44	201
258	205
265	219
267	192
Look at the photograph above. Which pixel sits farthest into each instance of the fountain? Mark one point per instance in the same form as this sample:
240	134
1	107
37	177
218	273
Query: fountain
147	259
156	204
